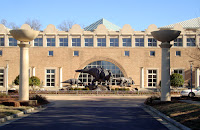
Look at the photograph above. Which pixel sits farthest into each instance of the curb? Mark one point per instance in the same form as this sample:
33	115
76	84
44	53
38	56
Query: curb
166	118
7	118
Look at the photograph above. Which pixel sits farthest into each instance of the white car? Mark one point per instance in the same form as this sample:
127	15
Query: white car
188	92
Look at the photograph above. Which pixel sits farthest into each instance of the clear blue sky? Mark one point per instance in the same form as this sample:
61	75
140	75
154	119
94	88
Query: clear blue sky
138	13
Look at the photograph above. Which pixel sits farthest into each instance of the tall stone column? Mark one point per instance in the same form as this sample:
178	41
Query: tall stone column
141	77
24	67
165	74
197	78
33	71
60	70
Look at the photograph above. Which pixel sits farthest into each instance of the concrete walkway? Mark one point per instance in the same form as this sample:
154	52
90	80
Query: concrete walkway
89	113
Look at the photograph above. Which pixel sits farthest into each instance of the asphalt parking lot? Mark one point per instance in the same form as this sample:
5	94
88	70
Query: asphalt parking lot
89	113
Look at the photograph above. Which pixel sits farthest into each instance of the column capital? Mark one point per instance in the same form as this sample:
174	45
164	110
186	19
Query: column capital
165	45
24	45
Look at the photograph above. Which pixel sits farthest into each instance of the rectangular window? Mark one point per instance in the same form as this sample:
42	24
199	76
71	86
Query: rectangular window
50	77
101	42
114	42
76	53
178	53
178	71
1	77
152	53
152	42
50	53
127	42
12	42
38	42
1	41
51	42
76	42
152	78
191	42
139	42
178	42
63	41
1	52
126	53
89	42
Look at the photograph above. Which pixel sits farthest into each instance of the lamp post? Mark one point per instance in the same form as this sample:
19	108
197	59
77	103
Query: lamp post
191	63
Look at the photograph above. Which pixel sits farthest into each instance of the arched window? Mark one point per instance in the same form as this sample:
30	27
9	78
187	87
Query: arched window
116	72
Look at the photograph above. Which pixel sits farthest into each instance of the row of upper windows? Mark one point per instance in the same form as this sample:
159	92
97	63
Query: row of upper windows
126	53
101	42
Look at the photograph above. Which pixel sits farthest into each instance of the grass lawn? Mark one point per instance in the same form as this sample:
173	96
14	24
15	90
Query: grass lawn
8	110
185	113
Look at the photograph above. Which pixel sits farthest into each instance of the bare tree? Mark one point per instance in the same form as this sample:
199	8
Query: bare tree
194	53
34	24
10	25
82	26
13	26
4	22
66	25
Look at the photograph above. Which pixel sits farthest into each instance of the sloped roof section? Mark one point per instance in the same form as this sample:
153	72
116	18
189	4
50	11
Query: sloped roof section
110	26
188	24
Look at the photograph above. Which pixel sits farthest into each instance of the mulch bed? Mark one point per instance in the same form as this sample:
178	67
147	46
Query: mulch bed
185	113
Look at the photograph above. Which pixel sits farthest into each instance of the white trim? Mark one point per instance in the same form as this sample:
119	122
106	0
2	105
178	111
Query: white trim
33	71
157	78
60	77
141	77
55	68
196	77
4	76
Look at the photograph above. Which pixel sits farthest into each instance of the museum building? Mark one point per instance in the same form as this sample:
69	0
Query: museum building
55	55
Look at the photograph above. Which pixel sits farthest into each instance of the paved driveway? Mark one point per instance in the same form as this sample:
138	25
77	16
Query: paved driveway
89	113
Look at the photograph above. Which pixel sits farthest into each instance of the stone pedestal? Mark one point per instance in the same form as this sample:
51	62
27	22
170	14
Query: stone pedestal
165	73
24	67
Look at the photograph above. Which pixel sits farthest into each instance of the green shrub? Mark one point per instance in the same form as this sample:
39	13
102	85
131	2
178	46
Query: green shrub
40	99
16	81
34	81
176	80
